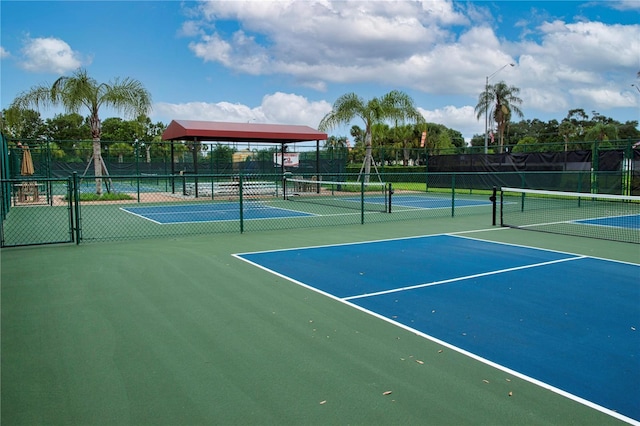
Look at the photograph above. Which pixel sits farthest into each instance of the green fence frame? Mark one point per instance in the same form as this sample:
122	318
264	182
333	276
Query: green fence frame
67	202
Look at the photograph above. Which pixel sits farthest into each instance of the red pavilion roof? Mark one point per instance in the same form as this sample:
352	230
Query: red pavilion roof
240	132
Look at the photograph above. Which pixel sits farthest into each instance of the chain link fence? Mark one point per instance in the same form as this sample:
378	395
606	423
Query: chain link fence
48	210
37	212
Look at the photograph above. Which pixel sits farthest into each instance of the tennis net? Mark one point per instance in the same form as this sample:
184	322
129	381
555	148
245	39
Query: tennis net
369	196
609	217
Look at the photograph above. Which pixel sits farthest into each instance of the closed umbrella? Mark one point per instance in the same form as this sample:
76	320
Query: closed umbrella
26	169
27	189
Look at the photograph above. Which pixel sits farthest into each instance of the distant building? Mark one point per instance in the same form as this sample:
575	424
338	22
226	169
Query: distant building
241	156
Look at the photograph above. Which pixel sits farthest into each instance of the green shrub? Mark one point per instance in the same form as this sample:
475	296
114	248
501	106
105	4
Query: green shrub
110	196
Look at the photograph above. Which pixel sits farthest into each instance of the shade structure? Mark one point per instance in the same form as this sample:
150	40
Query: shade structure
240	132
26	168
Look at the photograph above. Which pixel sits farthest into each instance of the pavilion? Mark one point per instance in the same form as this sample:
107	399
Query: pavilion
216	131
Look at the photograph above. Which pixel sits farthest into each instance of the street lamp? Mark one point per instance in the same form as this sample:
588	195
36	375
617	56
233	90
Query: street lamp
486	108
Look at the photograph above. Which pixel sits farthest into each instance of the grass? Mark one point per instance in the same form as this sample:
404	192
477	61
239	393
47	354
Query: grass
110	196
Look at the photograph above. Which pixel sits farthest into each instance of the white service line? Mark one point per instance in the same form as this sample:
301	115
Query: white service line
483	274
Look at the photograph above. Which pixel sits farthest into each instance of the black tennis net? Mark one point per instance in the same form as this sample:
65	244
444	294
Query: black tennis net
609	217
369	196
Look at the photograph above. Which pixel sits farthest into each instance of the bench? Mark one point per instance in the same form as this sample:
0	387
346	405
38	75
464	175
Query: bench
28	192
207	189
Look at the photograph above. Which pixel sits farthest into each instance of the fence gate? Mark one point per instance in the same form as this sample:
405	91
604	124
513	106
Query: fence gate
37	211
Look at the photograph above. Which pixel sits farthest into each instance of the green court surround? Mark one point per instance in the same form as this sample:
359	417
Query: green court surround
172	331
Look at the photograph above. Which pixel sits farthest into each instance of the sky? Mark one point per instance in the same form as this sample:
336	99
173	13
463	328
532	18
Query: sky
287	62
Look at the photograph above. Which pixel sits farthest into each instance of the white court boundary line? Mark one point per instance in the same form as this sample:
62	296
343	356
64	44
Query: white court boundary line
471	355
223	210
467	277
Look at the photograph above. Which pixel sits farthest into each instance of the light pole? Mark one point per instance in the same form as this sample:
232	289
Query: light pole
486	108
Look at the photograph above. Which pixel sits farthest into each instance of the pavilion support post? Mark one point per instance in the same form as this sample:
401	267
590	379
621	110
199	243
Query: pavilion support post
173	169
282	159
196	153
318	159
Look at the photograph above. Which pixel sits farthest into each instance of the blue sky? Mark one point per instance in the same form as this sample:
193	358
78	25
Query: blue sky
288	61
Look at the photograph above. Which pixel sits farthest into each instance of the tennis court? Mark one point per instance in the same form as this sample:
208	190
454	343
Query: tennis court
594	215
627	221
221	211
211	212
230	211
539	314
180	330
430	202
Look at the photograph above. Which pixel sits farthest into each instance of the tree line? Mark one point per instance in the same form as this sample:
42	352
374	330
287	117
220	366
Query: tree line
390	122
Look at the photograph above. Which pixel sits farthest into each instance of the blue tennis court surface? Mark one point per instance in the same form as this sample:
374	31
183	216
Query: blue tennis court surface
568	322
426	202
627	221
211	212
419	201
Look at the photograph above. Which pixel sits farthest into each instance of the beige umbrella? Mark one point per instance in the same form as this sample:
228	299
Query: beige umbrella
29	188
26	169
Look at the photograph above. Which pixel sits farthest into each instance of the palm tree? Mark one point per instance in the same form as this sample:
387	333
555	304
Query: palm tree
602	132
395	105
336	143
73	93
501	100
405	136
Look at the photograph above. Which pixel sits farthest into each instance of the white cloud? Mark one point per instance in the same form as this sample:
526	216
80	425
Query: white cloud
221	111
49	55
427	46
624	4
279	108
212	48
301	38
439	48
591	45
578	65
190	29
462	119
544	100
289	108
4	53
604	97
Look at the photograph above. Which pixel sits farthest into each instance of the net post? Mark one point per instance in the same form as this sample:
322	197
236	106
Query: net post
453	195
390	189
75	190
493	202
501	207
362	202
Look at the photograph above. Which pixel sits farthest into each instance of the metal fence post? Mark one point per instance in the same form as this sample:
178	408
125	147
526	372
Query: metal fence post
75	200
362	202
453	194
240	185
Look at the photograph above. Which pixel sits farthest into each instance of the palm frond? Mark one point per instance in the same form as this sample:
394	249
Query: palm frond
36	97
345	109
